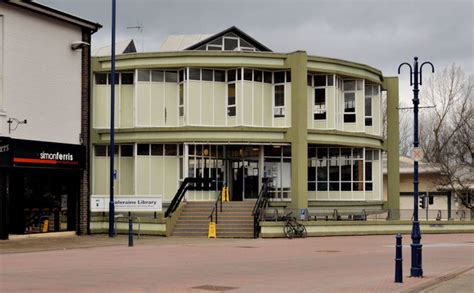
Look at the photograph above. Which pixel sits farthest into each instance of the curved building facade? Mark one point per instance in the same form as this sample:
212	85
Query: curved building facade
229	109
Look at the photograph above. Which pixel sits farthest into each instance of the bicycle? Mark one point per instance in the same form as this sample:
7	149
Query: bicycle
292	228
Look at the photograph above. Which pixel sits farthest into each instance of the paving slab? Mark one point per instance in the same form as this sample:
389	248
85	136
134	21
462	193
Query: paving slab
319	264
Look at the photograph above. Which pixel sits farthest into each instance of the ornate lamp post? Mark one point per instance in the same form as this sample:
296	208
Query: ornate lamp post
416	269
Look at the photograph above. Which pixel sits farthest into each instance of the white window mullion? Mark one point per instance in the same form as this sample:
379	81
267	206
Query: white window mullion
263	99
253	89
213	97
200	96
241	96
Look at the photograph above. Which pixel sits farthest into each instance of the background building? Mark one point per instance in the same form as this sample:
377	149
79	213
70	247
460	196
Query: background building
226	107
44	118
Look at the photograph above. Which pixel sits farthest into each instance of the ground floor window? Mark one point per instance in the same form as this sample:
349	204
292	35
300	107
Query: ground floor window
277	166
342	172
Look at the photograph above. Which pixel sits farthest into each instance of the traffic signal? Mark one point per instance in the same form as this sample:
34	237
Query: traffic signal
422	202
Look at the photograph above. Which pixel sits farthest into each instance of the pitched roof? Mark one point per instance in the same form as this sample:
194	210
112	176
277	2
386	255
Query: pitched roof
180	42
407	165
54	13
121	47
236	31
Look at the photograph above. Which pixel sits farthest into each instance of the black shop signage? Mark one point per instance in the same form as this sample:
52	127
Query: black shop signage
25	153
5	158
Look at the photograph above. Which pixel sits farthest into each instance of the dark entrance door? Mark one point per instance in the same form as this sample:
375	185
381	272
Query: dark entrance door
244	179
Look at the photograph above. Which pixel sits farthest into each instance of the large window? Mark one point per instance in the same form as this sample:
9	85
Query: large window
340	169
231	100
319	84
120	78
371	91
349	101
279	80
207	161
279	108
277	166
229	42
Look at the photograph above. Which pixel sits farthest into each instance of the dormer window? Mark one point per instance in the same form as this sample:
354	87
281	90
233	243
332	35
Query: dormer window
228	43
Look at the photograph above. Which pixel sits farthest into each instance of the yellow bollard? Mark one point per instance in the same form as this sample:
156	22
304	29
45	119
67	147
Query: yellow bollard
212	230
45	226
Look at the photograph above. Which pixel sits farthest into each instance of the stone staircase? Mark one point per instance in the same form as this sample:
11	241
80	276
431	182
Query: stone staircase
235	220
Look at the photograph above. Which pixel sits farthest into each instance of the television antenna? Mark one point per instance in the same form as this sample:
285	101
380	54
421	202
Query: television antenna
139	27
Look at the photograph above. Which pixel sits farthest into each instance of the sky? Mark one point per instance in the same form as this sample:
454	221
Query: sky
379	33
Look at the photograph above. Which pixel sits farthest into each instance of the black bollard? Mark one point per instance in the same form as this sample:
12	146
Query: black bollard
398	260
130	230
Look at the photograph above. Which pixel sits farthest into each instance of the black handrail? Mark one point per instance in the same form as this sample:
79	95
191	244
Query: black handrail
215	209
182	191
260	206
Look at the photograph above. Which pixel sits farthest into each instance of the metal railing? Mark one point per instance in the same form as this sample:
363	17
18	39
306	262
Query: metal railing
261	204
204	185
215	209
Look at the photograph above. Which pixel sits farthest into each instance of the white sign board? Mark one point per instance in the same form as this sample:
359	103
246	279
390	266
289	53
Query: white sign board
417	154
100	203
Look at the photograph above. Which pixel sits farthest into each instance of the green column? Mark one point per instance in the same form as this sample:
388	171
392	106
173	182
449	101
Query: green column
392	146
298	133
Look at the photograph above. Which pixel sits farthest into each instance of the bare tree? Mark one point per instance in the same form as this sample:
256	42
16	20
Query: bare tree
446	131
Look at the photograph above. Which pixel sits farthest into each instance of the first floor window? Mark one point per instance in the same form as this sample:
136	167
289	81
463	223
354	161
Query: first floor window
319	108
231	100
279	99
181	100
349	107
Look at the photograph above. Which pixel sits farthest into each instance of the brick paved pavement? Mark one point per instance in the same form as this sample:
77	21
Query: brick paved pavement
320	264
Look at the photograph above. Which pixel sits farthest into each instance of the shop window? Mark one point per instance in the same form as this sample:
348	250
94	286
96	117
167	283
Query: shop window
231	100
143	75
127	78
101	78
100	150
279	109
126	150
143	149
157	76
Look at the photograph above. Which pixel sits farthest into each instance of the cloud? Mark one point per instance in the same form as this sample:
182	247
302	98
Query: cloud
378	33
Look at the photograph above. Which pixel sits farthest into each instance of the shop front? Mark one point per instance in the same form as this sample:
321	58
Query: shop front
40	186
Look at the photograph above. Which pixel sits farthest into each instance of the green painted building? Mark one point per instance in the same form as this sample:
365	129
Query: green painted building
226	107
